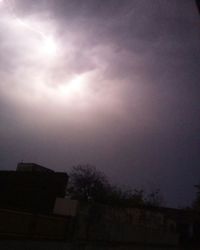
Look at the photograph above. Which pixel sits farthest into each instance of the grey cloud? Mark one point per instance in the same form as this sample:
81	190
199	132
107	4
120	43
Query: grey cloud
143	61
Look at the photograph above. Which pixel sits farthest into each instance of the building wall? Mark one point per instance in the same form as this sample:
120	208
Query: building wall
20	225
52	245
32	167
31	191
124	226
81	229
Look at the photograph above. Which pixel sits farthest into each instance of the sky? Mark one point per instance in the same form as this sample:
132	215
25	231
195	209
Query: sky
111	83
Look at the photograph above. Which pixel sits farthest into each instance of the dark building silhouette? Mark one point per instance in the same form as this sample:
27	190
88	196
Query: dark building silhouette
198	4
32	167
31	188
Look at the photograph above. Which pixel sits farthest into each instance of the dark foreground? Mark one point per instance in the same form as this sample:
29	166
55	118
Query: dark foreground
48	245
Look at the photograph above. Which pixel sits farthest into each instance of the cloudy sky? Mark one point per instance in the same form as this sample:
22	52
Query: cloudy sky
113	83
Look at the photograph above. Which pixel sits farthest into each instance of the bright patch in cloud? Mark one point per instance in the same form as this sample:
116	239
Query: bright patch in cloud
49	46
51	71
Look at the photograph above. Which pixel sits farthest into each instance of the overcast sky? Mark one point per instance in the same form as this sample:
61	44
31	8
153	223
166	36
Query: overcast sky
113	83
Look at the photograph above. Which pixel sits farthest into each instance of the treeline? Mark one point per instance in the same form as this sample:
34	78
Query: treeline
86	183
196	203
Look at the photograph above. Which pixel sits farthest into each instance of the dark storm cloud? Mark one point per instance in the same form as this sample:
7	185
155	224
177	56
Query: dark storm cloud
142	122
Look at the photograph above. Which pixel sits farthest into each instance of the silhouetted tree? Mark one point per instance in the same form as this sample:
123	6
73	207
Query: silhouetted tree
87	183
138	196
121	196
154	199
196	203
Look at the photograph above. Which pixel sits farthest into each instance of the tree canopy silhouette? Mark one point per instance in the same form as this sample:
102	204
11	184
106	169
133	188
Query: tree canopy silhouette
196	203
89	184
